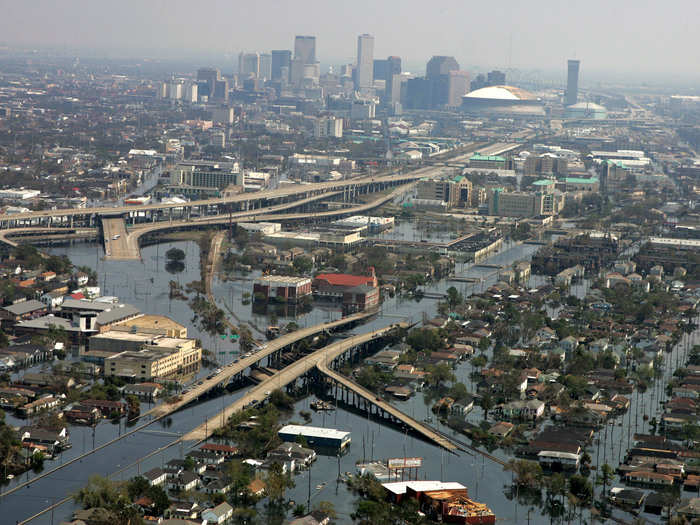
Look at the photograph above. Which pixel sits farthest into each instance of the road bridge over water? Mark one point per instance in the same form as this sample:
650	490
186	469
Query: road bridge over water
319	360
235	371
350	188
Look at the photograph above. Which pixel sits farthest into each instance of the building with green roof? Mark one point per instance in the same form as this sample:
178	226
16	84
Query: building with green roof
580	184
487	161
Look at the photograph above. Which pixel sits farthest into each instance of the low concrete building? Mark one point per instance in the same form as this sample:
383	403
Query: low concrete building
169	356
282	288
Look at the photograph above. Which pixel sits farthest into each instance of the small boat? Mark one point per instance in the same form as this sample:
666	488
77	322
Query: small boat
321	405
320	486
10	476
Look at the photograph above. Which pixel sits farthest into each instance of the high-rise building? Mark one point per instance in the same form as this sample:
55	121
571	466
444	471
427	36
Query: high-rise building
393	89
418	94
175	91
248	64
220	91
496	78
457	87
393	65
329	126
379	69
163	90
493	78
304	55
191	92
280	58
209	76
440	66
364	79
572	82
438	75
265	70
305	49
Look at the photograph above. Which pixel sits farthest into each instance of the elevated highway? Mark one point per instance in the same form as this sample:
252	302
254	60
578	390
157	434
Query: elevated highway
393	412
135	236
7	236
238	202
319	360
283	378
272	350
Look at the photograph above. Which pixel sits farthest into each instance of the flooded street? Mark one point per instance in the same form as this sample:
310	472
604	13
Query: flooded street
145	285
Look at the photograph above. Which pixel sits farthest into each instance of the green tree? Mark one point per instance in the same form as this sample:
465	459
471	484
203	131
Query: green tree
175	254
458	392
527	473
486	404
327	508
607	474
240	475
424	339
454	298
99	492
580	487
277	483
302	264
439	374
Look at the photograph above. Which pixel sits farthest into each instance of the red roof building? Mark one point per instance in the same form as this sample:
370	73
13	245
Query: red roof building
344	280
357	292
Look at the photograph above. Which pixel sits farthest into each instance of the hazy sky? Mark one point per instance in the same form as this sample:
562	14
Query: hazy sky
635	36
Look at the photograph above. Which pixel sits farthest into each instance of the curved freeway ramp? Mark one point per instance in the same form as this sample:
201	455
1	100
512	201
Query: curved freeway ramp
234	369
319	360
394	412
259	215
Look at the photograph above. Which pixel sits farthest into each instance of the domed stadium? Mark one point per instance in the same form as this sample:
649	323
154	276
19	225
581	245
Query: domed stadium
506	100
586	111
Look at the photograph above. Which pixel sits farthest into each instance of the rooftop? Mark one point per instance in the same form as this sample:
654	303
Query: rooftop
24	307
577	180
492	158
151	321
399	487
501	93
316	432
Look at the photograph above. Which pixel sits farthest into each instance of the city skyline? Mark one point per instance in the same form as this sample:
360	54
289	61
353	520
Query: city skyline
594	35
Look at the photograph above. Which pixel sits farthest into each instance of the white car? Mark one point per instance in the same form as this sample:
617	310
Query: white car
116	237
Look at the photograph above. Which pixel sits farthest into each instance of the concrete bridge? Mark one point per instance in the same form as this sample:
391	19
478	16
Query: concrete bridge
319	360
234	371
260	200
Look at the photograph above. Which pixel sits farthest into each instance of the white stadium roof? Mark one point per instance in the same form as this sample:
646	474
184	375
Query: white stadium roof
501	93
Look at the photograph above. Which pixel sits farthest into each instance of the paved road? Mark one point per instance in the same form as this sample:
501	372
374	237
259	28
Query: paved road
259	215
407	420
283	378
236	368
261	196
5	235
115	239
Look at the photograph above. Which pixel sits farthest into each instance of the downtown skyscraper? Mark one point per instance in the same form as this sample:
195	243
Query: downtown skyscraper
364	73
572	82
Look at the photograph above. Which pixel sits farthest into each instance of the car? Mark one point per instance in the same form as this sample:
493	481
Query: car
116	237
236	360
267	392
186	391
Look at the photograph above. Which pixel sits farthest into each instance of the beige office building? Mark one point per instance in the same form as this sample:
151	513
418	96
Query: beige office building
167	357
453	192
522	204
